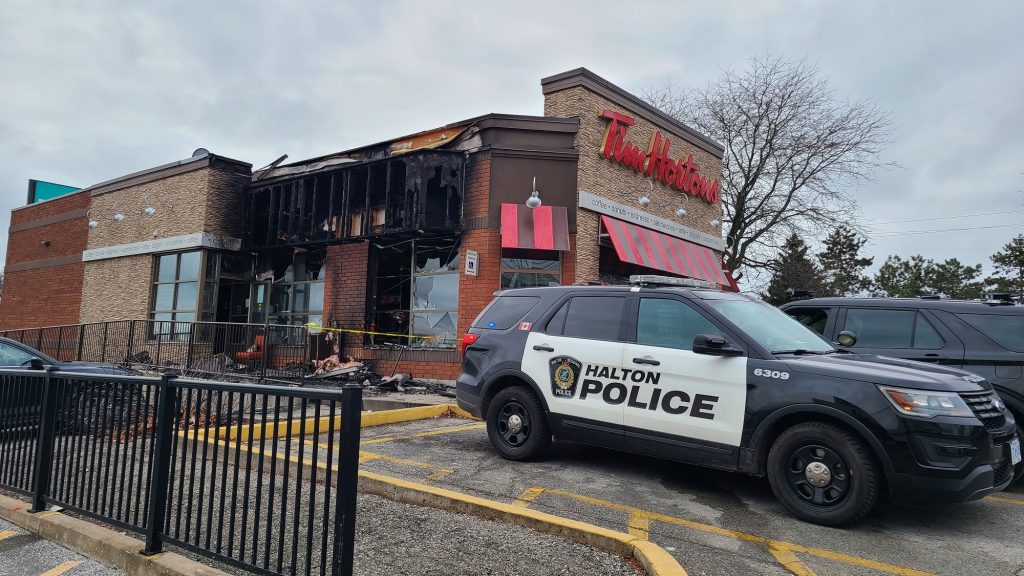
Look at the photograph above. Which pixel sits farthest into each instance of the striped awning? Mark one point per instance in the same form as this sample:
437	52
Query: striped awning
541	228
652	249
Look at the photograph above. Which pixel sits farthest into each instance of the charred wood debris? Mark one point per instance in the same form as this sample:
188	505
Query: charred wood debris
333	371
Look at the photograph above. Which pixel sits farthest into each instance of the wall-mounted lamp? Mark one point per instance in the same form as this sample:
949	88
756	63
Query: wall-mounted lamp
715	223
645	200
156	233
46	243
534	200
118	215
148	209
681	211
92	221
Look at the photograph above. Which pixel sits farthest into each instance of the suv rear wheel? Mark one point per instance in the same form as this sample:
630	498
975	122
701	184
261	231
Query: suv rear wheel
823	474
516	424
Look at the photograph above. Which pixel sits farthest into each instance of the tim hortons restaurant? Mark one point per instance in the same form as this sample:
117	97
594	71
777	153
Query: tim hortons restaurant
398	245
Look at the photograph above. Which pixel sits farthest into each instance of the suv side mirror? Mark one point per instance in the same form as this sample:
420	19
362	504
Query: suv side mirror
847	339
35	363
714	346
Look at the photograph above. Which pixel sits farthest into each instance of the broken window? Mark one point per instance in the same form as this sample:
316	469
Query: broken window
416	293
297	288
435	301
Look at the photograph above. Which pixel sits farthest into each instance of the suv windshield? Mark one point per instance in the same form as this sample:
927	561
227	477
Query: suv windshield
771	327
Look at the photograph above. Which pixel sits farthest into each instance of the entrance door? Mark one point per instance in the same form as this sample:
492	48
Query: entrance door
575	360
685	401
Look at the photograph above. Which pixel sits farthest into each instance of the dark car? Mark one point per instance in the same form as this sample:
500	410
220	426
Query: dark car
986	338
22	408
724	380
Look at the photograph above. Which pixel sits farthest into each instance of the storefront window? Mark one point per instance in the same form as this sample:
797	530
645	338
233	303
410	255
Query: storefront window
435	293
416	293
530	268
175	294
297	295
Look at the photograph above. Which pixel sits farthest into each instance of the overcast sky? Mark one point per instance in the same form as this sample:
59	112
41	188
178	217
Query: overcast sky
92	91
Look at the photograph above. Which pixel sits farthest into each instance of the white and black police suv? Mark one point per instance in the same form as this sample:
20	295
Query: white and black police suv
670	368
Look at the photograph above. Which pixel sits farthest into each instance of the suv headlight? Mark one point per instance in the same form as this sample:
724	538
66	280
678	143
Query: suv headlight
926	403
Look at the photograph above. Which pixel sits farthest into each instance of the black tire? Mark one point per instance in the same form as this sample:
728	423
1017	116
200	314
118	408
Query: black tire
842	495
516	424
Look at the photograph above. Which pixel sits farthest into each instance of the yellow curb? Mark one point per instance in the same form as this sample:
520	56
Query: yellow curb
101	544
307	426
652	557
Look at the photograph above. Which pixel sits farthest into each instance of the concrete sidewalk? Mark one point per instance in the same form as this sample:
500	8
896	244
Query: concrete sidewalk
25	554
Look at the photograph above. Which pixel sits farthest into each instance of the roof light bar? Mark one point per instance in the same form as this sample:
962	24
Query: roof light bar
654	280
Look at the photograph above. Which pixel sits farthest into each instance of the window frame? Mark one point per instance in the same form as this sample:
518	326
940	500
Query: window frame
454	311
290	290
918	314
167	330
556	272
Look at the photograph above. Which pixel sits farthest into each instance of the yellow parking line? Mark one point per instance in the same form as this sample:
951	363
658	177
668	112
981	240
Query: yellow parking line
61	568
5	534
383	439
639	526
767	542
1005	500
527	497
789	560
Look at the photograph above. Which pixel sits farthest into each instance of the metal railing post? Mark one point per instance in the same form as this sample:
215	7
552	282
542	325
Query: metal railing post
131	342
81	340
348	470
158	486
45	445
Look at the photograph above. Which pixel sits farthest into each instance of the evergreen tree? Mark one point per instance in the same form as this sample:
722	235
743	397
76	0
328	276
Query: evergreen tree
842	266
955	280
899	278
1009	276
793	270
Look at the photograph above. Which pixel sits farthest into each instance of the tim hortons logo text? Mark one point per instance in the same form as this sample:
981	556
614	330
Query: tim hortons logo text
656	161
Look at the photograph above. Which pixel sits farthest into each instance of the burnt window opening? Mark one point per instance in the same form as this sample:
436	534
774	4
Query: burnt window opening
296	282
415	298
409	193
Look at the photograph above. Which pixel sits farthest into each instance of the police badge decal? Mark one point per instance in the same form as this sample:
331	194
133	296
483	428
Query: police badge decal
565	373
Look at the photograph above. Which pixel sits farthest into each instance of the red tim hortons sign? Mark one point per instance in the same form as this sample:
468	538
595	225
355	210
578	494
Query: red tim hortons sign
656	161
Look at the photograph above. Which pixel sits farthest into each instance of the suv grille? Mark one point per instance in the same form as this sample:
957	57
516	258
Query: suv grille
1002	474
985	409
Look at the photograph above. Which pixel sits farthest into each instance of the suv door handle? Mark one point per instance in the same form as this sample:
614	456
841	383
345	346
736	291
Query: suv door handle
649	361
543	348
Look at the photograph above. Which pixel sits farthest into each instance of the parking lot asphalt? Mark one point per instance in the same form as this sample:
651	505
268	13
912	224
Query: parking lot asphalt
25	554
713	522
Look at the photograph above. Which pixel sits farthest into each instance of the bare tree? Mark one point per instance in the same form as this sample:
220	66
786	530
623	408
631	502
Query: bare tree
792	148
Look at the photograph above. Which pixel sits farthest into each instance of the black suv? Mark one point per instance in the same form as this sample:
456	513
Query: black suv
720	379
986	338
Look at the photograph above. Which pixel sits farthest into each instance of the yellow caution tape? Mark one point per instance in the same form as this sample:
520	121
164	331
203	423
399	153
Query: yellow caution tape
370	332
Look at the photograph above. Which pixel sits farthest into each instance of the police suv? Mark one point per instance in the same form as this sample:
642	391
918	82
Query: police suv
675	369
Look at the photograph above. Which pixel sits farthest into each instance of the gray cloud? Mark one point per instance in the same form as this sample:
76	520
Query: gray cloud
93	91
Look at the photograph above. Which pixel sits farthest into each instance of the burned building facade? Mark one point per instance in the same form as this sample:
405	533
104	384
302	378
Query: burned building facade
398	246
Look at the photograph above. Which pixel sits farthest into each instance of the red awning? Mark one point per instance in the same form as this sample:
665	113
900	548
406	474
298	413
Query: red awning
542	228
652	249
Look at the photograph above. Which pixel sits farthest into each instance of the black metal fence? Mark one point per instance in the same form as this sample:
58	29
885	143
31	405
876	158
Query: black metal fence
210	467
204	349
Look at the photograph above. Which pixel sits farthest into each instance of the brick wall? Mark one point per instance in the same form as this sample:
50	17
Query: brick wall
345	289
619	183
43	283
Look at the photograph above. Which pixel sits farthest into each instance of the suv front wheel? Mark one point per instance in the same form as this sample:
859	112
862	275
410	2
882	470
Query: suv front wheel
823	474
516	424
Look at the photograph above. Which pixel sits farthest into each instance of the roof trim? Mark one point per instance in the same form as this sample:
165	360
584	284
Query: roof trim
160	172
585	78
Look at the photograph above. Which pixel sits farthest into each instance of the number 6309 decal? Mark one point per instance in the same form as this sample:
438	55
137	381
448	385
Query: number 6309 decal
771	374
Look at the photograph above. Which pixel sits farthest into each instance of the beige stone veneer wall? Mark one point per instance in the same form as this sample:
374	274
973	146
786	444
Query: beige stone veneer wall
206	197
614	181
